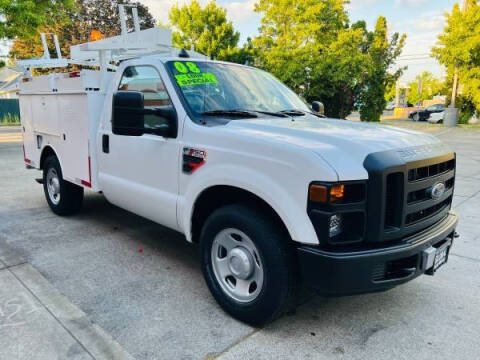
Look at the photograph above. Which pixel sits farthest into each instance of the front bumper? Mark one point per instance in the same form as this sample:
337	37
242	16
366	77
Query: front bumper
336	273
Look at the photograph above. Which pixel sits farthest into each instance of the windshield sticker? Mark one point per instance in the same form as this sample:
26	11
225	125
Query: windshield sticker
186	67
196	79
181	68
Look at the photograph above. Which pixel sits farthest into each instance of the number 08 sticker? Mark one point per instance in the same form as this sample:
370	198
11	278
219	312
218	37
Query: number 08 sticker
186	67
190	74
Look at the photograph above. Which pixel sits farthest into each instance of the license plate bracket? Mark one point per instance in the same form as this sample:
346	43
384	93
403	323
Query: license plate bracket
440	258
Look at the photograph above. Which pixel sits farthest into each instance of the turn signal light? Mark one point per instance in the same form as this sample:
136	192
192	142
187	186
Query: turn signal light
325	194
318	193
337	192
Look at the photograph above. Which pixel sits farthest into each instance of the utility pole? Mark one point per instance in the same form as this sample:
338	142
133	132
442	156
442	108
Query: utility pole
420	89
455	87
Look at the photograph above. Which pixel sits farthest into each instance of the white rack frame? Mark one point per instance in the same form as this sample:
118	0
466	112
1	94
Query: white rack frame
105	53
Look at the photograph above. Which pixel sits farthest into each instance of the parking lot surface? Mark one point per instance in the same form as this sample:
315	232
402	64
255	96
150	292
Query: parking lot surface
137	288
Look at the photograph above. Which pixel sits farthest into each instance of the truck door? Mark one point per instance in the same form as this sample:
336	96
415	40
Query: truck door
140	173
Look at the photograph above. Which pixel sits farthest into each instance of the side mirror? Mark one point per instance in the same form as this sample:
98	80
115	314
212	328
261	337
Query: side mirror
161	121
128	113
318	107
131	118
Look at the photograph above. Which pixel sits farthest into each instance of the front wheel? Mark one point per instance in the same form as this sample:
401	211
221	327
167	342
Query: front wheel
63	197
248	264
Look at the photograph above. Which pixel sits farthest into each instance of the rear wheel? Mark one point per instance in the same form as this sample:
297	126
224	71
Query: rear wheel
248	264
63	197
416	117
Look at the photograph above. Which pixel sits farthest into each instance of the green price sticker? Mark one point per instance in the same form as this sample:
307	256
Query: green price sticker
180	66
186	67
196	79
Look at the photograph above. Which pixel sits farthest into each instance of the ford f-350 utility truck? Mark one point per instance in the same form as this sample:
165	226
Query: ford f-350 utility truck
273	192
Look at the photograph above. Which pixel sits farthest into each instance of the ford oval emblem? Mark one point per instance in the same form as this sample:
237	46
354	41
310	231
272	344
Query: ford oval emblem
437	190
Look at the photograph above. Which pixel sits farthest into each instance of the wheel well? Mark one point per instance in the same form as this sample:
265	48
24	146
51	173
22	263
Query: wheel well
46	152
215	197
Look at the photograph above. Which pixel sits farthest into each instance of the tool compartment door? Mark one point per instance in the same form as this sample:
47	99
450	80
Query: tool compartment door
29	144
73	114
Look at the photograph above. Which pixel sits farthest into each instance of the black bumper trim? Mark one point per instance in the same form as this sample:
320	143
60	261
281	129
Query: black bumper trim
347	273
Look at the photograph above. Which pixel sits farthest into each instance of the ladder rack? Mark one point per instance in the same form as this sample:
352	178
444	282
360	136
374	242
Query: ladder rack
106	53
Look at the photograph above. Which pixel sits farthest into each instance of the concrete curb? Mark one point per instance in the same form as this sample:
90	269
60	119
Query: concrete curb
91	337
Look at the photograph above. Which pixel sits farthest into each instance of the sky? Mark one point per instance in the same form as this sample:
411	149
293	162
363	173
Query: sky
421	20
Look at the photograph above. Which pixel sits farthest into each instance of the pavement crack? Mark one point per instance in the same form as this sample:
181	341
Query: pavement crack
465	257
6	267
224	351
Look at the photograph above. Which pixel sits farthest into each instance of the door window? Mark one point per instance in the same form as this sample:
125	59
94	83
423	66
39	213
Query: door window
147	80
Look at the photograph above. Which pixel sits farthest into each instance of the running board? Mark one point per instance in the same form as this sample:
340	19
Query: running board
40	180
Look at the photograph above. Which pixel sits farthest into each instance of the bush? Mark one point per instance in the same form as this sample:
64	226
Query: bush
467	109
10	119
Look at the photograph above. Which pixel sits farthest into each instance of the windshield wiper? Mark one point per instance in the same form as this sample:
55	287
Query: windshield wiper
295	112
271	113
236	113
292	112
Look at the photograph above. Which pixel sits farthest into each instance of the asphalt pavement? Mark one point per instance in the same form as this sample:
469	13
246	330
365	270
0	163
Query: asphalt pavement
107	284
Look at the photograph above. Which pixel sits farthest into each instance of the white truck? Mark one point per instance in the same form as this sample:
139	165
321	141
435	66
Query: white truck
273	192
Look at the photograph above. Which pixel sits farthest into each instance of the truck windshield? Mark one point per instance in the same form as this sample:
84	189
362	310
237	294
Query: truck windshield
216	89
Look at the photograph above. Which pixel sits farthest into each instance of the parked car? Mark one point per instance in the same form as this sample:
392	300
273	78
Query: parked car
423	115
436	118
273	193
390	106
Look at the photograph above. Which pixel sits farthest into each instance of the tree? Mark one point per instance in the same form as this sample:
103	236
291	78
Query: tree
381	53
308	45
245	55
24	17
87	15
458	47
429	86
206	29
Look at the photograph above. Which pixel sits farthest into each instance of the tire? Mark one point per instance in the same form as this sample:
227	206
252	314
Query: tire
63	197
273	255
416	117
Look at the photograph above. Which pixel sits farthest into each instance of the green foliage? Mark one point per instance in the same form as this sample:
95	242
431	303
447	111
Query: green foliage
430	86
24	17
87	15
309	45
390	92
381	53
459	47
245	55
467	109
10	120
206	29
2	63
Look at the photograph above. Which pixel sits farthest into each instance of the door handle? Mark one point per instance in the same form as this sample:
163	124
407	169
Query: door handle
105	144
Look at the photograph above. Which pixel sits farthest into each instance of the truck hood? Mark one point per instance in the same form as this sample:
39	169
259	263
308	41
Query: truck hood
341	143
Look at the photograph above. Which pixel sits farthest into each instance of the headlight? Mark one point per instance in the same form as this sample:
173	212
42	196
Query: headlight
335	225
338	211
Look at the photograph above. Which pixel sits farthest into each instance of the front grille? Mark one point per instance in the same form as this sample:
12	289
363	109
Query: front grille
428	212
399	193
421	195
421	205
430	170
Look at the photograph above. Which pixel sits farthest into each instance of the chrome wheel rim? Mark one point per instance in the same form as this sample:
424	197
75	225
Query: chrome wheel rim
53	186
237	265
